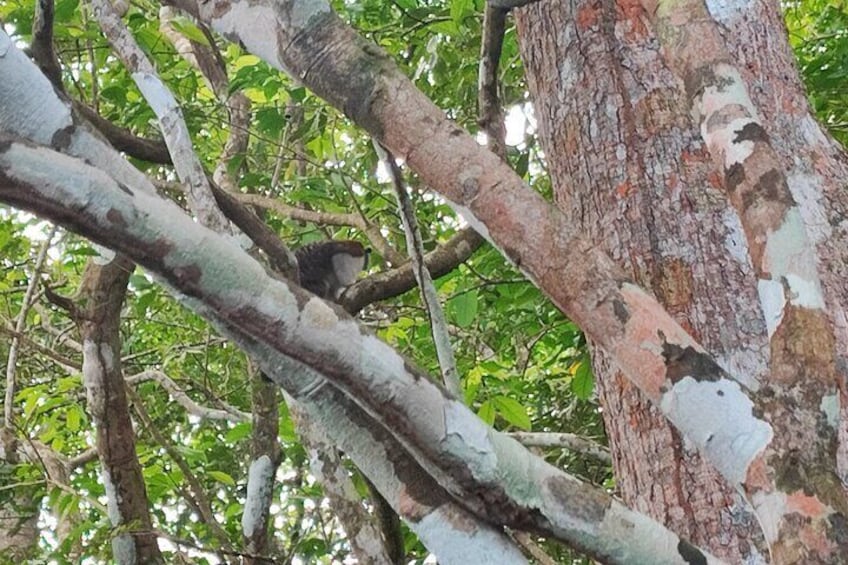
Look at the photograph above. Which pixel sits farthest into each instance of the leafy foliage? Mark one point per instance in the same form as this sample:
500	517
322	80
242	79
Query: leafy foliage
818	32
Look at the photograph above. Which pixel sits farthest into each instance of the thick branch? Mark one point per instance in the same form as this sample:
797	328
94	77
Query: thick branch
286	328
651	348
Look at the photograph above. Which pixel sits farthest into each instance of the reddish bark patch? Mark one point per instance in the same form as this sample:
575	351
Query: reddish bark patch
805	504
757	477
115	216
587	16
714	178
634	13
188	275
802	350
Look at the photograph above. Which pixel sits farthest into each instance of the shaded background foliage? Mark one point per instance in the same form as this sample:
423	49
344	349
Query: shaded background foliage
523	365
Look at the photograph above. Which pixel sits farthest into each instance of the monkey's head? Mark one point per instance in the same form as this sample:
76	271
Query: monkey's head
327	267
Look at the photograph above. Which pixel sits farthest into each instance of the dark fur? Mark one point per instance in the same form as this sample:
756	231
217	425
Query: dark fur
315	265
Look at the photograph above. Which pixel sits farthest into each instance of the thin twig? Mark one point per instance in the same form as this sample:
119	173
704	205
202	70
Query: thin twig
429	295
20	324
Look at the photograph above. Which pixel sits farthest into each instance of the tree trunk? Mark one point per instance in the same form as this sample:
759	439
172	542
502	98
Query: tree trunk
628	165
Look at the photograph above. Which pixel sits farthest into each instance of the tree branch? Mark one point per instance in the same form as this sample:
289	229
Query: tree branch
395	282
316	353
429	296
229	414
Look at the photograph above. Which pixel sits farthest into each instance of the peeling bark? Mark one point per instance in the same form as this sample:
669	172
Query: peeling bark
98	316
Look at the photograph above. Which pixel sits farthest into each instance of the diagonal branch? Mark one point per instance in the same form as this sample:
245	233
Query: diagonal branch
650	347
313	349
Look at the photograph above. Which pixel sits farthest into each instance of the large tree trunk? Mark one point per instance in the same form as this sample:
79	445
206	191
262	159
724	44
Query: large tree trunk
629	166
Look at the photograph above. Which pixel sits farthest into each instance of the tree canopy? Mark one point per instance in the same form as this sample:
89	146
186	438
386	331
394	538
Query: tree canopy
309	174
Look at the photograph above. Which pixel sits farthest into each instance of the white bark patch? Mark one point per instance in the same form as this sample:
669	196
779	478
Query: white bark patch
462	426
734	240
468	542
275	301
813	132
717	417
123	548
790	260
104	255
316	315
259	488
770	509
108	356
92	372
772	301
241	17
31	116
619	522
471	219
806	188
724	11
830	408
721	140
161	101
111	497
304	10
720	131
5	44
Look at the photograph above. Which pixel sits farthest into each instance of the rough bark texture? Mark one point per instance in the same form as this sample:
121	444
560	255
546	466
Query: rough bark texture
630	168
101	295
263	443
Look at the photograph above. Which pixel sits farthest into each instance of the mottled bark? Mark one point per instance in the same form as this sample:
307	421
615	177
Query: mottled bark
265	457
363	530
322	357
98	315
629	167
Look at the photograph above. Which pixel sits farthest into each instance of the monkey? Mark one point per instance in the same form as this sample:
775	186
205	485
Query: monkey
327	268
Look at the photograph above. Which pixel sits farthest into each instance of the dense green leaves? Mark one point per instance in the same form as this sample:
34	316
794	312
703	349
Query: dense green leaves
818	31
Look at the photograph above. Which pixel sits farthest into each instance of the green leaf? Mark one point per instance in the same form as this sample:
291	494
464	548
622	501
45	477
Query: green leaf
73	418
65	10
246	61
512	411
238	432
486	412
222	477
191	31
464	308
583	384
459	9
